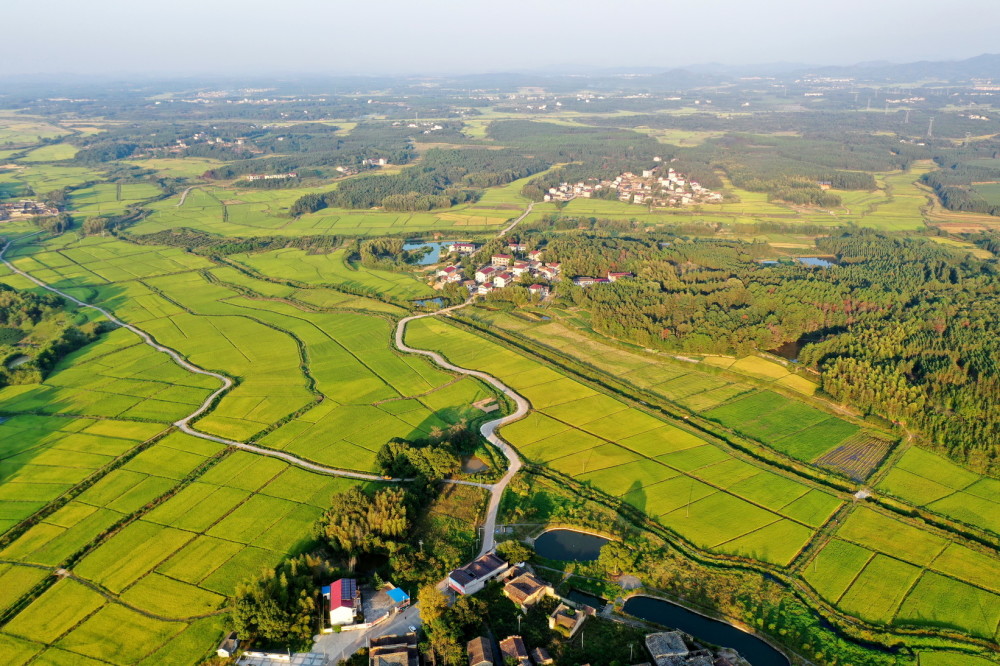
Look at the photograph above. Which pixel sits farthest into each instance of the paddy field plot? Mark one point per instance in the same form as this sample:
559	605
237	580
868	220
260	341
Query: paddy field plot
240	513
51	153
932	481
887	571
246	212
318	269
684	482
324	368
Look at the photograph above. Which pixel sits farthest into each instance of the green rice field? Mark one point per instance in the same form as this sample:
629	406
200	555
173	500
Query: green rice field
703	492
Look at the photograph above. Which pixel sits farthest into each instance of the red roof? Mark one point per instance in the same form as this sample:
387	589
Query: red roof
502	256
343	593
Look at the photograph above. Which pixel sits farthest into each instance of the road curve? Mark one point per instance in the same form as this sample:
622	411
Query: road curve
488	429
185	423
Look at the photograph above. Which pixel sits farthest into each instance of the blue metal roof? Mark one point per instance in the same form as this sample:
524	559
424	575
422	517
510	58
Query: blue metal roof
398	596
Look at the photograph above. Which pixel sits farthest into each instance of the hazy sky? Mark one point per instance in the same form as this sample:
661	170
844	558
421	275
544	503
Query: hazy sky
455	36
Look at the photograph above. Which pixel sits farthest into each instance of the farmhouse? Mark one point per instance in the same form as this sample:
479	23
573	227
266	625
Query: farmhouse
513	650
394	651
525	589
502	280
517	247
613	277
480	651
666	647
535	255
539	290
344	600
271	176
471	578
541	657
228	646
485	273
462	248
566	620
501	259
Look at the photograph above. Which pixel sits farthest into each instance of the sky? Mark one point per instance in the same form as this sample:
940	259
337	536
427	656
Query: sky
150	37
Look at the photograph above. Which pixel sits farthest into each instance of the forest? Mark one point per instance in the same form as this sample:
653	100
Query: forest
442	179
903	324
34	334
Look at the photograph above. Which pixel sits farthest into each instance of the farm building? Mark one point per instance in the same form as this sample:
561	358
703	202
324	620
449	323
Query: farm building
666	647
472	577
566	620
541	657
513	650
480	651
399	598
539	290
344	599
525	589
394	650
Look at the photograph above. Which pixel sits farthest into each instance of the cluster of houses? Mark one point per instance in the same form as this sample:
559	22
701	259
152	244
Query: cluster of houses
502	271
525	589
653	187
584	281
270	176
13	210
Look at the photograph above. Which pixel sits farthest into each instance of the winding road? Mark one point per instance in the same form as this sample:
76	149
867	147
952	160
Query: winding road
488	429
184	424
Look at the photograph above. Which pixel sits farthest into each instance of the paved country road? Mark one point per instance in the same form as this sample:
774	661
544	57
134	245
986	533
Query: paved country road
488	429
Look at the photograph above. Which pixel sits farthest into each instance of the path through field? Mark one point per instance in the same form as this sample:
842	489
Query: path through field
185	423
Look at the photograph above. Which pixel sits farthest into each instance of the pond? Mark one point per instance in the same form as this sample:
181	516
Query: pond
581	597
431	257
429	301
569	545
753	649
818	262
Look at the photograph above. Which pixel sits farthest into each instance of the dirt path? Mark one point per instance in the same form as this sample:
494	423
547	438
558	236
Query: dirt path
185	423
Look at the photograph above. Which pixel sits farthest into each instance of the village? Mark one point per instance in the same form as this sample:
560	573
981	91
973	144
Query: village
23	208
525	589
505	270
654	187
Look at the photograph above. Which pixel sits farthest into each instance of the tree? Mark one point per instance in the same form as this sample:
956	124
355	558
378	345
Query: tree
616	558
358	523
280	605
514	551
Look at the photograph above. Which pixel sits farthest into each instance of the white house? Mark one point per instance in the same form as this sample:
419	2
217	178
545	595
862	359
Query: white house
344	601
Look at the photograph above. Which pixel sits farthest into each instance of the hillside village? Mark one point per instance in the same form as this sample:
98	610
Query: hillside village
505	270
653	187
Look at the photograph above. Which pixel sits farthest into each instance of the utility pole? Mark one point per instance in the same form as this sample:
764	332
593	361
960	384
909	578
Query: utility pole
930	128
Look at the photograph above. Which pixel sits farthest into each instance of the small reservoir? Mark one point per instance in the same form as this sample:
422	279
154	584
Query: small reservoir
569	545
753	649
431	257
